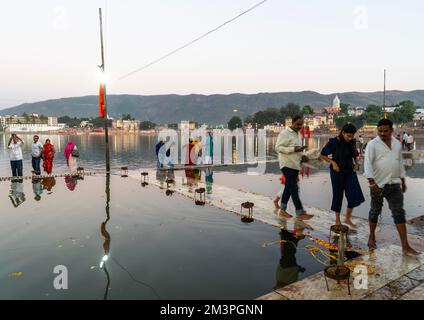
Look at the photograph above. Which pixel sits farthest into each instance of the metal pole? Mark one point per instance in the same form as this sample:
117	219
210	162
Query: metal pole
107	155
384	96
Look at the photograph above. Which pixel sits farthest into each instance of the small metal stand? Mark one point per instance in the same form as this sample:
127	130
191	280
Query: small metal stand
339	272
247	205
145	176
201	192
168	191
124	172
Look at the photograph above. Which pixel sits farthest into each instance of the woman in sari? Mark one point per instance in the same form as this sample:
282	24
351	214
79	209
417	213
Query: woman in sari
71	156
48	156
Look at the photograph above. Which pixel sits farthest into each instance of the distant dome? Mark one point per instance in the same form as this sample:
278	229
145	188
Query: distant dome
336	102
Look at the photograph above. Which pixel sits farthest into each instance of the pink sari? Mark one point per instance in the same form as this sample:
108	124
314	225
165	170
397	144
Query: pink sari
68	150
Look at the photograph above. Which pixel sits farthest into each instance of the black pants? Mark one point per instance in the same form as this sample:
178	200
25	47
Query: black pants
394	196
291	189
36	165
17	168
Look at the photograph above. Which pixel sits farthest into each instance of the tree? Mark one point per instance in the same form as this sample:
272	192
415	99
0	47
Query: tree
147	125
344	107
290	110
235	122
127	117
267	116
307	110
403	113
358	122
99	122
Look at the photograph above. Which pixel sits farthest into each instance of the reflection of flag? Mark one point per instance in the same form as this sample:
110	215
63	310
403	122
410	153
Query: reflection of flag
101	102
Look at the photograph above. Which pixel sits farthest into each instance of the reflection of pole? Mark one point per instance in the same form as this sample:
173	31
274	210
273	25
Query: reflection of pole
105	100
106	236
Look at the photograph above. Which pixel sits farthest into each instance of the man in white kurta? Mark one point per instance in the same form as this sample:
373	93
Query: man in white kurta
383	167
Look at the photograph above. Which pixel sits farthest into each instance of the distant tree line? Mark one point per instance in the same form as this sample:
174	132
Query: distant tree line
403	113
271	115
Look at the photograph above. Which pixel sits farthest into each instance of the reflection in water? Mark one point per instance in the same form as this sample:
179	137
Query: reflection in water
106	236
17	195
37	188
71	182
288	269
48	184
209	180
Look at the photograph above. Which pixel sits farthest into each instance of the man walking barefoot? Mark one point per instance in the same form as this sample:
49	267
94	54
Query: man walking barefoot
289	149
386	175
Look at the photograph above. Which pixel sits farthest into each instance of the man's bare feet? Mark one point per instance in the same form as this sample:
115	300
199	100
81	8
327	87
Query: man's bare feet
372	244
276	202
350	224
410	251
304	216
284	214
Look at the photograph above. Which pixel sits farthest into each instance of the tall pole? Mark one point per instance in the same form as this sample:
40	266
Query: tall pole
102	67
384	96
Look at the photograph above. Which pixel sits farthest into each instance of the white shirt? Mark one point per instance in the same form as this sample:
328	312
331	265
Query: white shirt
287	140
16	151
36	148
383	164
410	139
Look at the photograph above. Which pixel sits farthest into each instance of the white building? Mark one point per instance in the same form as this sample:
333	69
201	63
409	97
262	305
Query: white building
52	121
33	127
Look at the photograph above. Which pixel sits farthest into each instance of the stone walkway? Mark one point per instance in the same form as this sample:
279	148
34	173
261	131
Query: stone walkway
394	276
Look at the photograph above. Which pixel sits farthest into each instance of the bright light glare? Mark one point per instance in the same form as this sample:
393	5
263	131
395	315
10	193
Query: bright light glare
102	78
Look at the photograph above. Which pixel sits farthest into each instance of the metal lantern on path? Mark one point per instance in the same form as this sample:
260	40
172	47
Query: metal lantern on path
339	272
124	172
249	206
199	196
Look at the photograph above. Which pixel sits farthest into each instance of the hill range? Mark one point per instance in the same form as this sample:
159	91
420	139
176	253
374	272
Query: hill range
211	109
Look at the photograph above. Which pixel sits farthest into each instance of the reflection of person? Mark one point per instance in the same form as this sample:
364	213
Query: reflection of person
288	269
48	156
289	149
190	153
209	180
361	144
71	182
161	177
37	188
15	147
17	195
71	155
36	150
386	175
343	168
48	183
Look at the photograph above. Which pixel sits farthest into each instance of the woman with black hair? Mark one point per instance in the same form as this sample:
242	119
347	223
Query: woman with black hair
343	168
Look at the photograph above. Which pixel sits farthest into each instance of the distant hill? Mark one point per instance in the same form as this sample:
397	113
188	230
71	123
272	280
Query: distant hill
211	109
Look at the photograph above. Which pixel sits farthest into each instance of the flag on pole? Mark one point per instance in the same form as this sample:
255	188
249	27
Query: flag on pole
101	102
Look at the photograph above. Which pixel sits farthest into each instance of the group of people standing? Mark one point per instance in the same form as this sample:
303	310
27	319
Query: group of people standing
383	168
39	151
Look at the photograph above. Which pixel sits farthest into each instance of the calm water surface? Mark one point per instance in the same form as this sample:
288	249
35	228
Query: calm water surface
160	247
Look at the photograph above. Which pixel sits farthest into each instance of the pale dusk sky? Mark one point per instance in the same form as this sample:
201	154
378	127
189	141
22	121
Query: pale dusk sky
50	49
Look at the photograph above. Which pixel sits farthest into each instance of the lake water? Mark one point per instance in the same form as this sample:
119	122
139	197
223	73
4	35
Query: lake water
160	247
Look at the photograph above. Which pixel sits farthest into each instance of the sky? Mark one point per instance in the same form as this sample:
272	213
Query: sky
51	49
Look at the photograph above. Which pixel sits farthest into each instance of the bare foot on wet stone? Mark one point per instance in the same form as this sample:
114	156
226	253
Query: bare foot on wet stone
350	224
372	244
305	216
284	214
277	203
410	251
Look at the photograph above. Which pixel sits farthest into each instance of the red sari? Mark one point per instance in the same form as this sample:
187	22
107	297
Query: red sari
48	156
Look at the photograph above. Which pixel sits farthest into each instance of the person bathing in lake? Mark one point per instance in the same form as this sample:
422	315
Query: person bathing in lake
71	155
48	156
343	167
383	167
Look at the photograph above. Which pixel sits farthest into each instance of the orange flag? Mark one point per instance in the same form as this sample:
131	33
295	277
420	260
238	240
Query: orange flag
101	102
